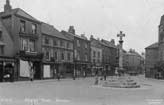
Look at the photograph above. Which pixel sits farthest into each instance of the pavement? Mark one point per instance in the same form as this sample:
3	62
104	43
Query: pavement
81	91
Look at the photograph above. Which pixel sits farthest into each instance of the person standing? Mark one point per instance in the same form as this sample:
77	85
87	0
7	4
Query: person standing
58	76
96	80
31	71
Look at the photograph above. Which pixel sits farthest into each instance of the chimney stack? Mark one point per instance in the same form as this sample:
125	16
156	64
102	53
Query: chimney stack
7	6
71	30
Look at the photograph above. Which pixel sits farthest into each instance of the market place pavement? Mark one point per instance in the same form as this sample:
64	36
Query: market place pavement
81	91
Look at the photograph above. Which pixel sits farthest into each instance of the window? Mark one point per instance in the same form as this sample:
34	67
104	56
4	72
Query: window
86	57
47	55
55	42
86	46
98	54
0	35
22	26
24	44
62	56
55	55
78	56
68	56
31	45
46	41
61	43
2	49
68	45
94	53
78	43
34	28
94	61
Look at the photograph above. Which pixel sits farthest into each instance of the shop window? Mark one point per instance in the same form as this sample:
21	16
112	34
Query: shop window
22	26
34	29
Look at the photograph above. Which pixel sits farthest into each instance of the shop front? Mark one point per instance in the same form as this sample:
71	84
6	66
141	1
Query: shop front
7	69
48	70
29	65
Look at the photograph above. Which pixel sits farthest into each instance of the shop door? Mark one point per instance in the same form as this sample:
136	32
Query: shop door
1	72
37	68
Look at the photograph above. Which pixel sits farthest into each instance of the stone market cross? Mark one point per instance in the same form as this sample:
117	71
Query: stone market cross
121	35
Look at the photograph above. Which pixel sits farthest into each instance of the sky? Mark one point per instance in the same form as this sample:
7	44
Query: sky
138	19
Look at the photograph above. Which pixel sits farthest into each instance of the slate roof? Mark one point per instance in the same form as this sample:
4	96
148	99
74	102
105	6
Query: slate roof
50	30
154	45
19	12
71	36
107	43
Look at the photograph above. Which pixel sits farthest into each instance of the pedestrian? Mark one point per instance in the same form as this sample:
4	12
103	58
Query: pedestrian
105	75
74	74
31	70
96	80
58	76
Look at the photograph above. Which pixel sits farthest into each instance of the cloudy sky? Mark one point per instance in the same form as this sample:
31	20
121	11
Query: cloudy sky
138	19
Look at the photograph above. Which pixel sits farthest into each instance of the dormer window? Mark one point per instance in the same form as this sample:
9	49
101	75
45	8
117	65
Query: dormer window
22	26
34	29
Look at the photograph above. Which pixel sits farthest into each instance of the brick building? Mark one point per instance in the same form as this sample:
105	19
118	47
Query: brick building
155	53
96	55
81	46
150	60
25	32
109	56
58	52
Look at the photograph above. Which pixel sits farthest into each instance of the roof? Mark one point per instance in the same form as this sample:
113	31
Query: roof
107	43
154	45
19	12
68	35
71	36
50	30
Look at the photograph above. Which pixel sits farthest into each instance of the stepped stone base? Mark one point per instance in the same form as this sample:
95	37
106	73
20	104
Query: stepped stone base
121	82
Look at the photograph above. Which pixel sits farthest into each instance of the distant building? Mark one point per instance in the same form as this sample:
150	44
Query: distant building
151	60
133	62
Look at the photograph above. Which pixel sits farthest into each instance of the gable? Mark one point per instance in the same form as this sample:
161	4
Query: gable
22	13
